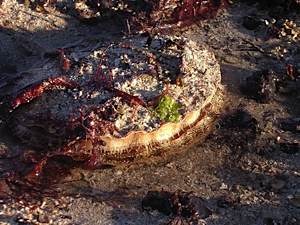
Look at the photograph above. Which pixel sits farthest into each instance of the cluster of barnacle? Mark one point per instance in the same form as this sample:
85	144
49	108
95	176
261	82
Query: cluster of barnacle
284	29
290	29
38	5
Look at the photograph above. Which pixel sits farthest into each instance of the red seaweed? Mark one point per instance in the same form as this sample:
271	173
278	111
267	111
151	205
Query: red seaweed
36	171
183	13
292	71
36	90
191	10
128	98
101	78
65	63
157	13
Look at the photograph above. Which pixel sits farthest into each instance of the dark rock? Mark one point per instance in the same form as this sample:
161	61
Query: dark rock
6	63
288	5
290	88
295	200
289	148
261	86
180	204
225	202
269	221
277	184
251	22
290	124
8	68
239	119
238	130
277	12
156	200
198	208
